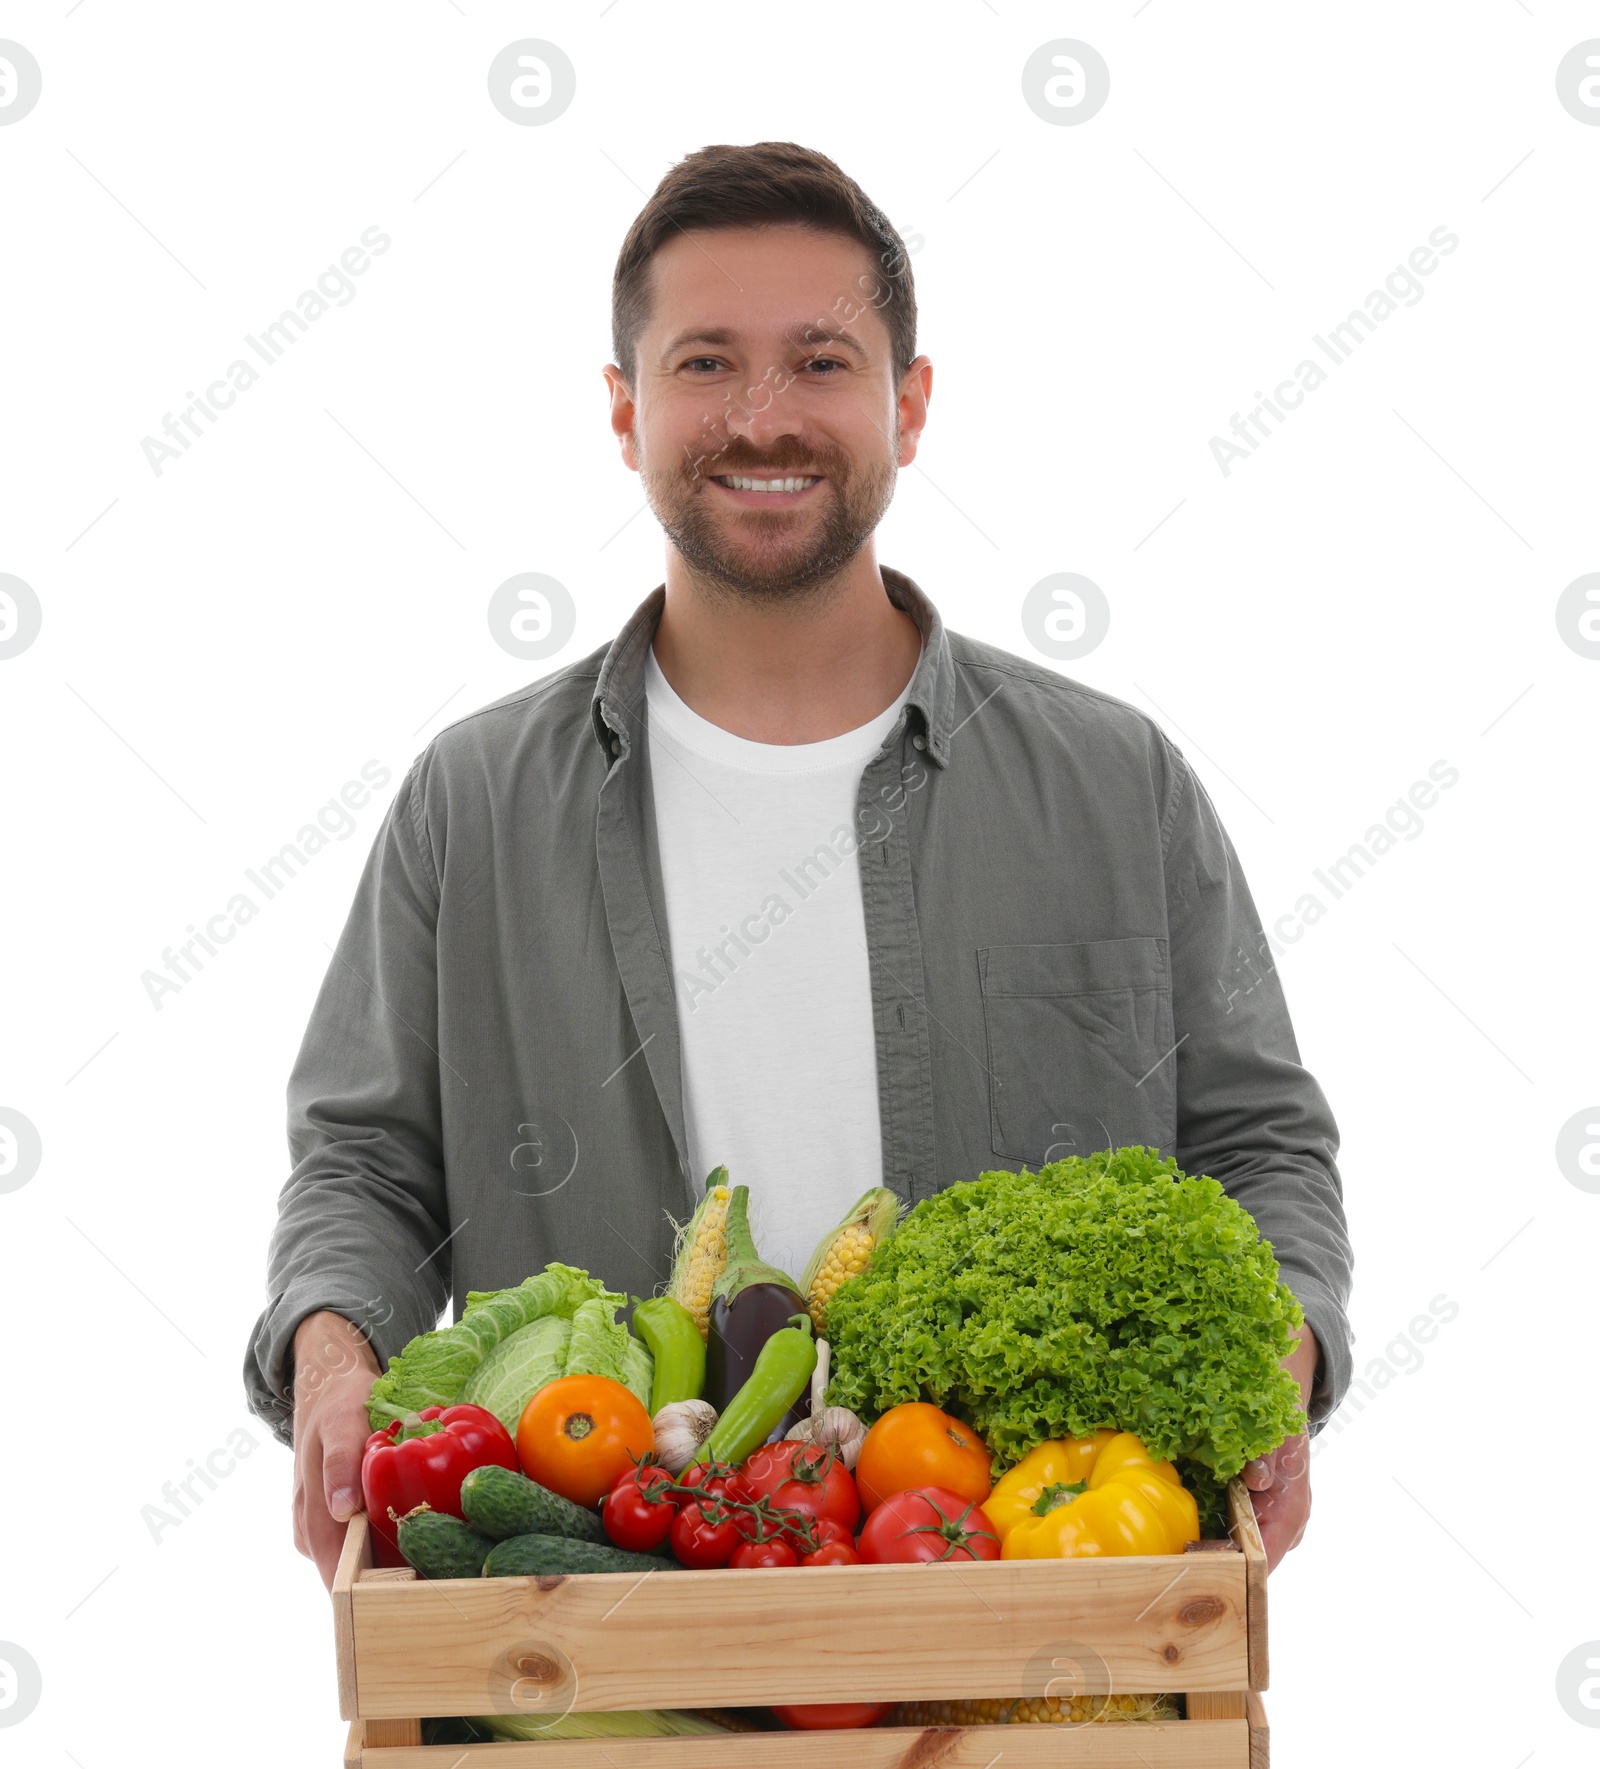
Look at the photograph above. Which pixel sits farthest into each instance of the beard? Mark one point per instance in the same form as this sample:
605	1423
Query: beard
790	554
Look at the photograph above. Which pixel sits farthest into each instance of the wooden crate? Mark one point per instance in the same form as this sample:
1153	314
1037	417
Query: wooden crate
411	1649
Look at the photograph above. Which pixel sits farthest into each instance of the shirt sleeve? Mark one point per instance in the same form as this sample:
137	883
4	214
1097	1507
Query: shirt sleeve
362	1218
1249	1113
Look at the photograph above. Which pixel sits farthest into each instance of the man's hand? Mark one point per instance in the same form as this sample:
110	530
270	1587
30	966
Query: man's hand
1280	1481
334	1369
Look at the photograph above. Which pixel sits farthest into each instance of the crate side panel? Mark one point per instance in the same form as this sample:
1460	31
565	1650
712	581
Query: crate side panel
1199	1744
1247	1533
742	1639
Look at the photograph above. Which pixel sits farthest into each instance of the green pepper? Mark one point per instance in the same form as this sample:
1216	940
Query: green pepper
781	1375
668	1328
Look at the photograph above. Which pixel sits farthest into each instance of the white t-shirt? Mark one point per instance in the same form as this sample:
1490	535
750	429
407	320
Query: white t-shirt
769	960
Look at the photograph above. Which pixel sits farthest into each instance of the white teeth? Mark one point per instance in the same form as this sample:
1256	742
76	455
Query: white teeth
742	482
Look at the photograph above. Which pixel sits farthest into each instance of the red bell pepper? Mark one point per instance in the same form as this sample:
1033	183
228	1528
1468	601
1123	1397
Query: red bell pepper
422	1460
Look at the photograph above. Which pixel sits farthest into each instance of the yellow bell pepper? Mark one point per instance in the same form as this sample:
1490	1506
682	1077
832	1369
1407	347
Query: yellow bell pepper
1091	1495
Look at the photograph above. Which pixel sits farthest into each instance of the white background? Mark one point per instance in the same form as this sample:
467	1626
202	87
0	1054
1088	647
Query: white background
224	645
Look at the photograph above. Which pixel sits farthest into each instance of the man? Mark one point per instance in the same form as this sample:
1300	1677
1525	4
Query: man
786	877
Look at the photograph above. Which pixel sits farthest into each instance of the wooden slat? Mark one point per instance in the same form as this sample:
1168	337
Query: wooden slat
1215	1704
1180	1744
390	1732
1247	1534
354	1559
748	1638
388	1575
354	1740
1257	1716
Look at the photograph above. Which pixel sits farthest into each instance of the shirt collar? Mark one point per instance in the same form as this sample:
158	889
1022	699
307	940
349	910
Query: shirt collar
618	702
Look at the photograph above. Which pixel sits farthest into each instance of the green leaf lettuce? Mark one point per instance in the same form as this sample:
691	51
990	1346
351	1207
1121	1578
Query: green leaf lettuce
1112	1290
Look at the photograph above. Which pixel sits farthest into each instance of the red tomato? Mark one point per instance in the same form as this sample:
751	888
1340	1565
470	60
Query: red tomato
716	1477
833	1554
816	1714
928	1523
834	1490
766	1469
774	1553
700	1541
799	1511
634	1517
791	1463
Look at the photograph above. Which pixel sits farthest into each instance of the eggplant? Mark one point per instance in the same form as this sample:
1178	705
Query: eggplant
750	1302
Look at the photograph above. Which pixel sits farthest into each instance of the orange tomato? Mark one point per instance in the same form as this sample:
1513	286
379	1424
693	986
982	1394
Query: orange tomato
578	1433
916	1445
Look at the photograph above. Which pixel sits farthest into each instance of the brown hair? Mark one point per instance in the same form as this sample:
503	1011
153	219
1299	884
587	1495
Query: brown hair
764	184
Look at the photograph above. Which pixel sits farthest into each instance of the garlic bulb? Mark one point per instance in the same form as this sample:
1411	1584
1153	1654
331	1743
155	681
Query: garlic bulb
680	1430
834	1427
819	1376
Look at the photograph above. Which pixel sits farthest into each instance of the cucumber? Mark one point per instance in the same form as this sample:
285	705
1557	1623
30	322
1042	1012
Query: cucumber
440	1546
500	1503
522	1555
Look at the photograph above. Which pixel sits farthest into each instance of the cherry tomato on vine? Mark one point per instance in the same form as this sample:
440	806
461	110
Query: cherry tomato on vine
799	1508
829	1529
635	1517
825	1495
721	1478
779	1466
700	1541
777	1552
833	1554
766	1469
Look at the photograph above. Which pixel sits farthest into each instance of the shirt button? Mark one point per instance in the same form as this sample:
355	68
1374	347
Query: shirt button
919	741
616	746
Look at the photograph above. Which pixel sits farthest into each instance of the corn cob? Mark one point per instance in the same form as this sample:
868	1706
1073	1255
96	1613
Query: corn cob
1078	1710
625	1723
701	1251
845	1250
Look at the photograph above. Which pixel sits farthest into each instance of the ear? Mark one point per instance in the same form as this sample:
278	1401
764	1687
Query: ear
916	389
623	414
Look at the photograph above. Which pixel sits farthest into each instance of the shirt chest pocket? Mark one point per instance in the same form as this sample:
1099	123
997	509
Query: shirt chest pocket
1079	1047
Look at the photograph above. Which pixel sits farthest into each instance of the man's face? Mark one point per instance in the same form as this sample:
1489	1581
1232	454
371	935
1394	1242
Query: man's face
765	358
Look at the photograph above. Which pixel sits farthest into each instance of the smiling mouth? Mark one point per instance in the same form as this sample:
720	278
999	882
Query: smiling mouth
789	484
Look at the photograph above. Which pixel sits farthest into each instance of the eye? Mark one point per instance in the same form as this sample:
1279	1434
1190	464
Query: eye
820	361
698	359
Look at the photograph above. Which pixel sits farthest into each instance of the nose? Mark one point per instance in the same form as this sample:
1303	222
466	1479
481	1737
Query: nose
761	416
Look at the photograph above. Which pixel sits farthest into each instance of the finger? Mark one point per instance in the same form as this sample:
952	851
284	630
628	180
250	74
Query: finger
1258	1475
341	1480
1274	1541
327	1543
1272	1523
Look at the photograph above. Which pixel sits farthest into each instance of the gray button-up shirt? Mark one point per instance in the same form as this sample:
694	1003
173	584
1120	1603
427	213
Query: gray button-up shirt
1063	952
